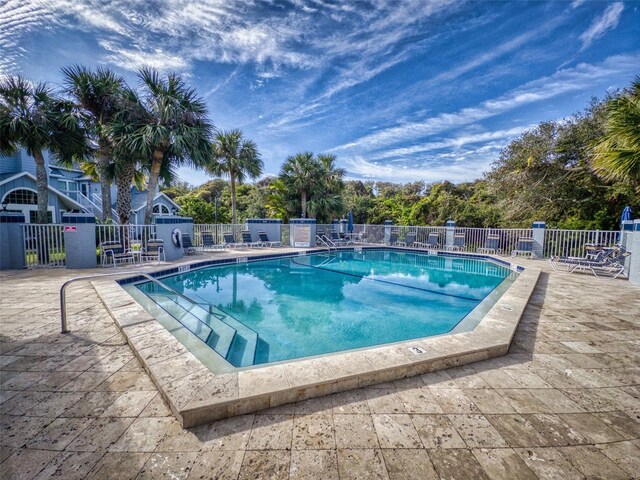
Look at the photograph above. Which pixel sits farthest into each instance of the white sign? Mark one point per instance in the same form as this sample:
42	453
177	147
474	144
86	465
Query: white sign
301	235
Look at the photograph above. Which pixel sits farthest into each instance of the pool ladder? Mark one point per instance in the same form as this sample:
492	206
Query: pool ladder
327	242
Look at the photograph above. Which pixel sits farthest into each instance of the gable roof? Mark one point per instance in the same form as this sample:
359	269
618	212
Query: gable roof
174	204
68	201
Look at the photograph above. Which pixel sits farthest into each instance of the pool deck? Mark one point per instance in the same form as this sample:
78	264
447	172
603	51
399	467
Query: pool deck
563	403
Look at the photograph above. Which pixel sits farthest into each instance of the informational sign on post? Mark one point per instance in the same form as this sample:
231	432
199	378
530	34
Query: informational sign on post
302	236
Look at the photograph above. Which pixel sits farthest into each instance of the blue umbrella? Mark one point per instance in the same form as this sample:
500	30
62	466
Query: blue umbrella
350	222
626	214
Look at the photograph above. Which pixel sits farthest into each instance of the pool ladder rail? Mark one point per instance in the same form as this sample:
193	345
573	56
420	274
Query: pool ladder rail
327	242
237	348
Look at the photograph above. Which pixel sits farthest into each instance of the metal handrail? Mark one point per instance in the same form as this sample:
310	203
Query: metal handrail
326	242
63	288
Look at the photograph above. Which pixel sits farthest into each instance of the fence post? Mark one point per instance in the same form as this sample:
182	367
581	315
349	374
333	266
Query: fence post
303	232
11	241
388	226
625	241
450	232
80	240
538	239
634	264
165	226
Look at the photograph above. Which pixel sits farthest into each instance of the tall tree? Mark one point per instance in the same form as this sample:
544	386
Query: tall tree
616	156
171	129
301	173
96	94
34	117
315	183
237	158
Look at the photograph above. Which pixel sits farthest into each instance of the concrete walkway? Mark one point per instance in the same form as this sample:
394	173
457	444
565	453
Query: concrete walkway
564	404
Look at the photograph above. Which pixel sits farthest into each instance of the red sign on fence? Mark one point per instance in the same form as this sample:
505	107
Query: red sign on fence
70	228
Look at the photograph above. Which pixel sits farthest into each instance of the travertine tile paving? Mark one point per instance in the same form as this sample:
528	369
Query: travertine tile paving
564	404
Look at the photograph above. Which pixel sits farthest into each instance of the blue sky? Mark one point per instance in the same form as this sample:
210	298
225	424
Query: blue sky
397	90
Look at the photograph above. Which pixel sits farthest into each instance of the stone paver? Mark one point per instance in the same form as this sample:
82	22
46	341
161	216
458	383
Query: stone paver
563	404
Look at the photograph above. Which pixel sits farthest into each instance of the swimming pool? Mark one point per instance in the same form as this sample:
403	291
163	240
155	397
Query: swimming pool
280	309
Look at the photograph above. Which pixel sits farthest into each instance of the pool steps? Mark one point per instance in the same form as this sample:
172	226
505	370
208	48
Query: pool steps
232	340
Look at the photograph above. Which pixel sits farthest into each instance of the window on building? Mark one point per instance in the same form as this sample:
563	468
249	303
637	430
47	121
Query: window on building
22	197
160	209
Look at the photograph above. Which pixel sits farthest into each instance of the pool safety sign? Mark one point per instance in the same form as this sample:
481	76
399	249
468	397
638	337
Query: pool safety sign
301	235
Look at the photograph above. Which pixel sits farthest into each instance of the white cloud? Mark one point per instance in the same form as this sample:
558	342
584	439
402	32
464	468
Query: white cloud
454	142
461	169
578	78
605	22
134	59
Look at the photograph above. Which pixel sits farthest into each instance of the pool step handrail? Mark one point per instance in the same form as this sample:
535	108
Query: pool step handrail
326	241
63	289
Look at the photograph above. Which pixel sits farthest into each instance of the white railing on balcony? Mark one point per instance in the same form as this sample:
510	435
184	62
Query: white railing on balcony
97	201
43	245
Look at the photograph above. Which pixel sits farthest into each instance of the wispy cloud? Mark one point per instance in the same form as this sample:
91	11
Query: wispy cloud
564	81
601	25
459	169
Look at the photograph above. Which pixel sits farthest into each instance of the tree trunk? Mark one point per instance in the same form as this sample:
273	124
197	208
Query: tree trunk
124	179
42	240
303	201
233	200
156	164
42	186
105	184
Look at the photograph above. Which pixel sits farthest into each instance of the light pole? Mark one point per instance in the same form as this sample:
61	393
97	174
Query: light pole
215	202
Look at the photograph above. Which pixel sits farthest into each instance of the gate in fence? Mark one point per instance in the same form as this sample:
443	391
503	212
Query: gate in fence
43	245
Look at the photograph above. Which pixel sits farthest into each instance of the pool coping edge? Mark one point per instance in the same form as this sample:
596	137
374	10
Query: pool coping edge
196	395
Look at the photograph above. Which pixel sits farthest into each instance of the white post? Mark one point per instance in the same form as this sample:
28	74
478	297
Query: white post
538	239
625	241
634	264
450	232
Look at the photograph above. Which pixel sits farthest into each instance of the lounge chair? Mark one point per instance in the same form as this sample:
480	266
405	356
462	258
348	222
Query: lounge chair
491	244
187	245
409	240
230	241
524	246
114	253
207	241
433	241
264	239
459	243
335	238
393	237
608	262
247	241
153	251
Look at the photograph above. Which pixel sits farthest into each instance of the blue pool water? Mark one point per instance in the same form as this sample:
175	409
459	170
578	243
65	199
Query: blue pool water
284	308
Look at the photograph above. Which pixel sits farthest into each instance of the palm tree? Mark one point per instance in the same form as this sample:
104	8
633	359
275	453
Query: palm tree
317	183
301	173
616	156
34	117
169	129
236	158
96	95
